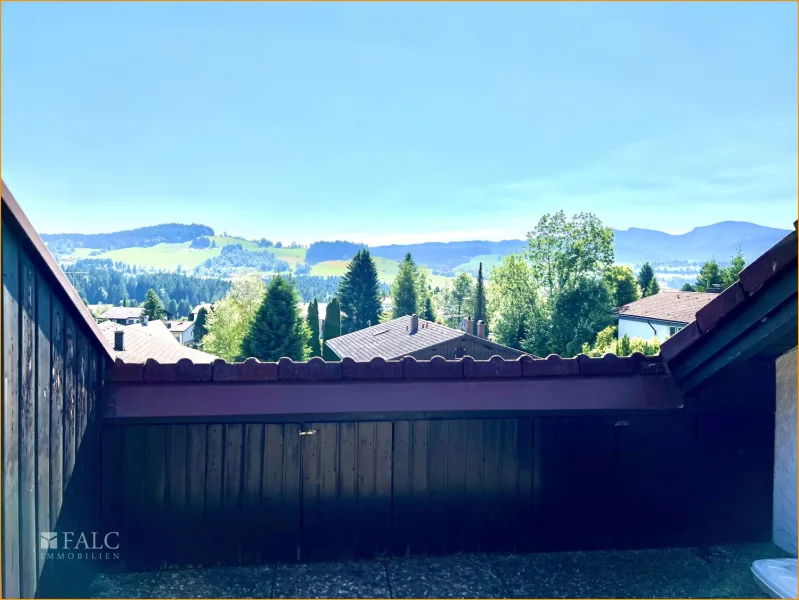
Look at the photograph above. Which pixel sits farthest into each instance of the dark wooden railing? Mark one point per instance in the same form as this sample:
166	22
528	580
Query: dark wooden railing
53	365
246	467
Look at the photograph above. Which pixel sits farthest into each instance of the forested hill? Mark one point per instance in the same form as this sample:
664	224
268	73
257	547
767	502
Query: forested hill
142	237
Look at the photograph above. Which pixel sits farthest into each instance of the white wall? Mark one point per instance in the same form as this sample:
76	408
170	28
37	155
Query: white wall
641	329
785	507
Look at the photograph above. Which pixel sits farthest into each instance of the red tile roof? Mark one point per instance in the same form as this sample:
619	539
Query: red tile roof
317	369
672	306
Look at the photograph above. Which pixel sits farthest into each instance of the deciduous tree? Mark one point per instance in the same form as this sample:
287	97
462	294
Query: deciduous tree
231	317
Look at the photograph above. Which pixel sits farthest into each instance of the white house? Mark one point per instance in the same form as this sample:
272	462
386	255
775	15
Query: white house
386	304
182	331
123	315
662	315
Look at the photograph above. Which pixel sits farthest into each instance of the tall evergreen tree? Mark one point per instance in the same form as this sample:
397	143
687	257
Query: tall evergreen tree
404	291
278	329
314	344
480	313
172	309
152	306
709	275
359	293
654	287
332	327
645	276
429	314
730	274
183	308
200	328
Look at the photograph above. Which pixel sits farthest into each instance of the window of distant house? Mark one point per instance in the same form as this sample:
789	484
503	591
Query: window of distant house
674	329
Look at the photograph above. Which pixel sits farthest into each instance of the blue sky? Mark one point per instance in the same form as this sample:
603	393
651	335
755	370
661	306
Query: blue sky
399	122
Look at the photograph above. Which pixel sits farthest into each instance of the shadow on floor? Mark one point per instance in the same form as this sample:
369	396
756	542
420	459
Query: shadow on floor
717	572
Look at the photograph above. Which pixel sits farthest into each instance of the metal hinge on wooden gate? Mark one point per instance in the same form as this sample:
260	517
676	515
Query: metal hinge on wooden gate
308	432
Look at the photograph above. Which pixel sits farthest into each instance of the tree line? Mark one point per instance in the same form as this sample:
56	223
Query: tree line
171	233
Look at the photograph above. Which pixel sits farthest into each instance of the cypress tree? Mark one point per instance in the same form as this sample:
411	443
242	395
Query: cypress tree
314	344
200	328
332	327
152	306
645	276
480	299
429	314
172	309
404	297
278	329
359	293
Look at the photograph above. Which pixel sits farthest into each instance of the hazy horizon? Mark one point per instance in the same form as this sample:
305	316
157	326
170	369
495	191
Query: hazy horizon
399	123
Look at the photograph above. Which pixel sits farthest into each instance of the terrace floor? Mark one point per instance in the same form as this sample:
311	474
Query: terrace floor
716	572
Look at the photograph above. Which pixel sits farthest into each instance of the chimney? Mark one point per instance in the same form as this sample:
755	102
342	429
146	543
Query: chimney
144	320
481	329
414	324
469	326
119	341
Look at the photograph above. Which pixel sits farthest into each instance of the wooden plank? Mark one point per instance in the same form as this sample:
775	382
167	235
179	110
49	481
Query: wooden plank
311	511
348	489
573	483
230	545
655	496
332	529
251	512
735	457
438	505
492	461
155	507
456	485
384	442
197	537
81	383
402	505
367	497
420	485
57	413
508	484
11	372
43	366
135	550
70	400
113	490
525	533
27	429
272	493
214	456
291	499
178	525
473	505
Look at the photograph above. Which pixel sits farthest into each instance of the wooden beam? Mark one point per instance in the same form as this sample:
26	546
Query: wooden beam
753	342
212	401
722	336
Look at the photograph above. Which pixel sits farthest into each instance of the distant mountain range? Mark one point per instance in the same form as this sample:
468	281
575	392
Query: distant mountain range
633	246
